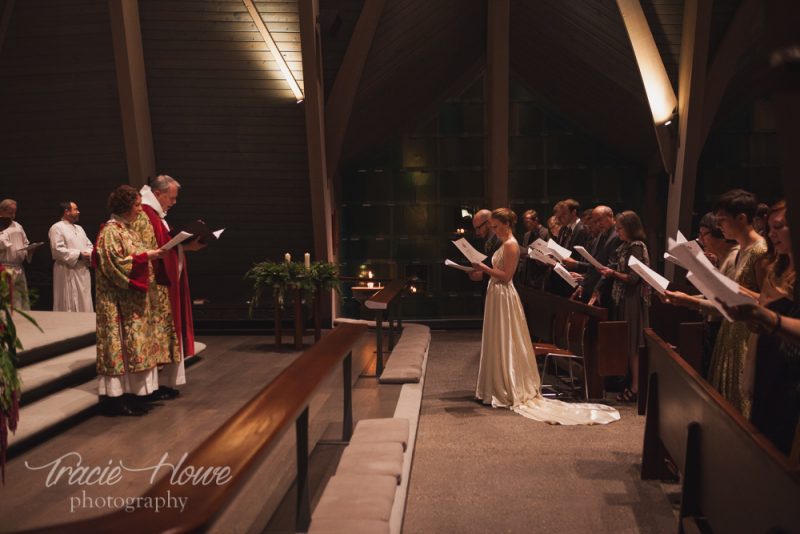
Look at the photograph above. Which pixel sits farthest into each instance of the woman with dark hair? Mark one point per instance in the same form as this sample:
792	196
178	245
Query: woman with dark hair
131	336
631	296
508	376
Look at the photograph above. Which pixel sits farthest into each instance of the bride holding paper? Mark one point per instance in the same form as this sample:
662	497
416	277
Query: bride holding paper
508	376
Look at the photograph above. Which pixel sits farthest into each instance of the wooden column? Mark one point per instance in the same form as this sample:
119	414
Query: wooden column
691	85
783	19
321	209
132	86
343	92
5	20
497	102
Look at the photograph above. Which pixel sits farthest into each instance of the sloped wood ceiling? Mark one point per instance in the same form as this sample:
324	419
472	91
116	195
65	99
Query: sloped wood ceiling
421	48
576	55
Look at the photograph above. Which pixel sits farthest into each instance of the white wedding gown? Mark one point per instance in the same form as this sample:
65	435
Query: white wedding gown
508	376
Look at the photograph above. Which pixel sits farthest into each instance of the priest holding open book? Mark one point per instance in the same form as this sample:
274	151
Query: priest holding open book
171	275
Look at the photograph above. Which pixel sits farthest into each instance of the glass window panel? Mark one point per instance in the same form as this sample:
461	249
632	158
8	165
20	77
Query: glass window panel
419	152
462	152
462	185
525	184
526	151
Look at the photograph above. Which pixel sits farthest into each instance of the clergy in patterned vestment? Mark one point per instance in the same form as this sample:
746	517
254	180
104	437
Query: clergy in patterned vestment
173	280
72	253
14	251
133	334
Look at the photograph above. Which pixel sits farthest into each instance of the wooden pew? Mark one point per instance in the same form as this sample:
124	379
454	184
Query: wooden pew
605	352
240	443
734	480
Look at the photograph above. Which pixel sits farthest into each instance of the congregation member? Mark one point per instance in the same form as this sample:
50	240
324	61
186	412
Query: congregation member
133	333
72	255
173	280
530	272
631	296
507	374
14	251
593	289
734	211
553	226
573	232
483	231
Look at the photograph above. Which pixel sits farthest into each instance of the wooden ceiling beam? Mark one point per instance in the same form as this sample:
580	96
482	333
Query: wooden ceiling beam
743	31
126	34
5	20
321	204
497	102
691	87
345	87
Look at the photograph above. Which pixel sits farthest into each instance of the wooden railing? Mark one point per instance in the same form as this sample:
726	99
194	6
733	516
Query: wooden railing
386	300
734	479
241	442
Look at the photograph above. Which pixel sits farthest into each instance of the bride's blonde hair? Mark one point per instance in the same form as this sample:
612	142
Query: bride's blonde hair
505	216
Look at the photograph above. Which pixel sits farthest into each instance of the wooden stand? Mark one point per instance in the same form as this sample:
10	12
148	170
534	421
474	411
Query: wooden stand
278	321
298	319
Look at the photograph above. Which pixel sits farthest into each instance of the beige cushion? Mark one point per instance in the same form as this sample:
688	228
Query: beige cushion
357	496
348	526
401	374
414	327
392	430
372	459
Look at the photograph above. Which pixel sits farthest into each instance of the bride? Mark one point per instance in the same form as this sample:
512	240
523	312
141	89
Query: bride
508	376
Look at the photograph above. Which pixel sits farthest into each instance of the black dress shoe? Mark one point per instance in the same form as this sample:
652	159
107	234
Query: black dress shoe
168	393
118	406
137	402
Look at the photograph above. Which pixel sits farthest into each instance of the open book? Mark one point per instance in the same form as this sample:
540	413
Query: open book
202	232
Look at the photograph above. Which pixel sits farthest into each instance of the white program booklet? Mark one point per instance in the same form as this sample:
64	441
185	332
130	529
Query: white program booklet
560	252
658	282
702	289
564	273
469	251
177	240
588	257
713	284
538	255
672	259
458	266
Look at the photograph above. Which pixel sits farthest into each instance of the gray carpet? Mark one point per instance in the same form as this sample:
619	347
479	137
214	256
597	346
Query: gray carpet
478	469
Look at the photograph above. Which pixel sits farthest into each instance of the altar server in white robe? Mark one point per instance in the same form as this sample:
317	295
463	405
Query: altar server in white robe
14	250
72	253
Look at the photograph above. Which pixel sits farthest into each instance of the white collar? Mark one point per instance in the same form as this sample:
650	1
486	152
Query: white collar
149	199
574	224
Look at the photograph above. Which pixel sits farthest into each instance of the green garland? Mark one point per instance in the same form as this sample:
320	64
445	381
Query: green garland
10	383
283	276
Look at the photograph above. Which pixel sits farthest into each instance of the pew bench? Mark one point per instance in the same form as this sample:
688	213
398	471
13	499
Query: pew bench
733	478
361	495
603	342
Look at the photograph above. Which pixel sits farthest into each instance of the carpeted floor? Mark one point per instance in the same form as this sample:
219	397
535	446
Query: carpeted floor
478	469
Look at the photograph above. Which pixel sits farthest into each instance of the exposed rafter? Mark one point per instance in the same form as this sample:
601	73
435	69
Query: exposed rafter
132	86
321	208
745	28
5	19
343	92
691	87
497	101
273	48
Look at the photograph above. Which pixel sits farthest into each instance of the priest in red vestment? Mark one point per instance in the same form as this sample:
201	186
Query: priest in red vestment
157	199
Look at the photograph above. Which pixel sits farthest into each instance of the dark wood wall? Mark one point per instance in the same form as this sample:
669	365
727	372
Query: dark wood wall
60	126
226	125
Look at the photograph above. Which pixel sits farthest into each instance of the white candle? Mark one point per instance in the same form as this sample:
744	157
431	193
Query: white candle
287	257
307	259
369	274
369	284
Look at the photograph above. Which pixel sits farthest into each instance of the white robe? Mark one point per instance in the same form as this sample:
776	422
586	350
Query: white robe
72	281
12	244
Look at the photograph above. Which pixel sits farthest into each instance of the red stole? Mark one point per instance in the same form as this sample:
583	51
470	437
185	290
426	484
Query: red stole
179	299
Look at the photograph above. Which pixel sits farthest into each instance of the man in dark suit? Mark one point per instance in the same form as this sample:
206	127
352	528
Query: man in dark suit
531	273
602	249
572	233
480	223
